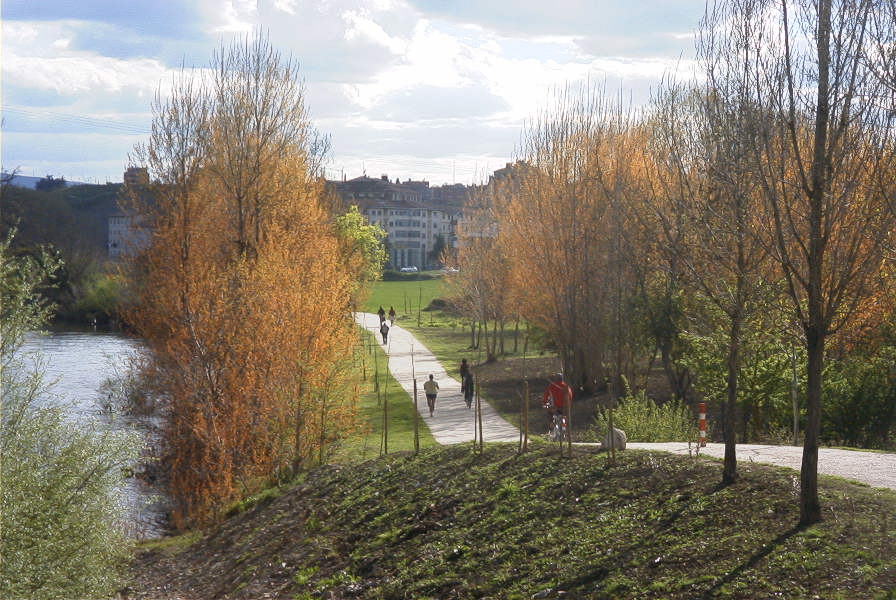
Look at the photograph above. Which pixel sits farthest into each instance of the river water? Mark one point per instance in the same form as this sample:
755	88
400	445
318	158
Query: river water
79	364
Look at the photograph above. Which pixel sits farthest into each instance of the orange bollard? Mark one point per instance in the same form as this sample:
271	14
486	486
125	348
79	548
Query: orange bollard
701	423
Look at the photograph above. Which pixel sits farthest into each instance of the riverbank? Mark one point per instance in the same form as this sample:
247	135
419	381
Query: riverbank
86	366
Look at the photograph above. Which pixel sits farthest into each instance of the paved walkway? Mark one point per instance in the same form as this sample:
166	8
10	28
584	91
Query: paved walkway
453	422
877	469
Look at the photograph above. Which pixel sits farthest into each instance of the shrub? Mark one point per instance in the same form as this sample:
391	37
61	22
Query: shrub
859	405
99	300
643	420
60	509
392	275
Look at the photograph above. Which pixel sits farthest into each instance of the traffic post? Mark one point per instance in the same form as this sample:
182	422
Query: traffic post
701	423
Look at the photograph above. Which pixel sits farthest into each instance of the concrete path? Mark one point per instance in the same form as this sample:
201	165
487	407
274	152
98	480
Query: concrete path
452	422
877	469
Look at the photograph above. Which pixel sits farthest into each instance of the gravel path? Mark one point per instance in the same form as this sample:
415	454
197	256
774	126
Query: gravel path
453	423
877	469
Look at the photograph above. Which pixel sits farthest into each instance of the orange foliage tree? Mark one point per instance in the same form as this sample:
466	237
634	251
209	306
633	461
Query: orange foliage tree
482	288
562	221
240	295
820	141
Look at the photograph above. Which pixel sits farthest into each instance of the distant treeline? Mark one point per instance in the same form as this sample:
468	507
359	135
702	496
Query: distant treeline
72	224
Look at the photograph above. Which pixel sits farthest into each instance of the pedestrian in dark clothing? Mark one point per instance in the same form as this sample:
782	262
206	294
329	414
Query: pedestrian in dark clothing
382	314
467	386
384	330
391	315
466	382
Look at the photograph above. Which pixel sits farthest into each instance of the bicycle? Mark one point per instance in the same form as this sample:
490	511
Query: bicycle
558	431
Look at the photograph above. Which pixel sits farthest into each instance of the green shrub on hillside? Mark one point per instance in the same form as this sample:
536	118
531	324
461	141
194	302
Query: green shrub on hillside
643	420
60	505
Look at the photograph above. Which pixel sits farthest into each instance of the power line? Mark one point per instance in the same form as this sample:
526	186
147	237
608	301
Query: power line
89	122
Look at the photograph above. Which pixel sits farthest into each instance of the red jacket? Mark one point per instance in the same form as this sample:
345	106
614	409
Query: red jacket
560	394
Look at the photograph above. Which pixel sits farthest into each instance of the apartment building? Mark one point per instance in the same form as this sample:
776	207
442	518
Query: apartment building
414	225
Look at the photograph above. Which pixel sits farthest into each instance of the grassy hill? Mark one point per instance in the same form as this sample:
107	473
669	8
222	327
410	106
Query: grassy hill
452	524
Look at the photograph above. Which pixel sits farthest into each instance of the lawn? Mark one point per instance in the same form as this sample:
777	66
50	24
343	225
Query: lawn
408	297
453	523
448	336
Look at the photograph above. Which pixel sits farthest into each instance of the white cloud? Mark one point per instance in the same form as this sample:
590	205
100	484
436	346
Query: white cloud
235	16
76	75
287	6
361	25
442	88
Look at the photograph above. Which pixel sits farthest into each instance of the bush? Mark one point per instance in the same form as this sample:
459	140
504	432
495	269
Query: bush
99	300
643	420
391	275
60	508
859	404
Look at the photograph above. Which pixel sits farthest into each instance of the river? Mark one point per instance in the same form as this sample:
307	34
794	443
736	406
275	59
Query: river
78	364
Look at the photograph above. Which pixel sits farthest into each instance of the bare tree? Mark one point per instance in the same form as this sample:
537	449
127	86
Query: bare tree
710	214
819	139
559	221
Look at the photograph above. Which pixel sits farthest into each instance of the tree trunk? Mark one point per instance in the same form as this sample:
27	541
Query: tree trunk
810	507
729	420
794	397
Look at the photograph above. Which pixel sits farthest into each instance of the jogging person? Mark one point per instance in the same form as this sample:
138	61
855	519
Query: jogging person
556	397
431	388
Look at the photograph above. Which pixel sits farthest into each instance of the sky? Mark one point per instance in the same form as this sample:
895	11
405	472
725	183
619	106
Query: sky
439	90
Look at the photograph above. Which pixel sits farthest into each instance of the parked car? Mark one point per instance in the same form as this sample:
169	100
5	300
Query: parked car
409	269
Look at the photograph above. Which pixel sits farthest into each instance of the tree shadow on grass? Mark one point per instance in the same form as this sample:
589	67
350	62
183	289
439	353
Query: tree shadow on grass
752	561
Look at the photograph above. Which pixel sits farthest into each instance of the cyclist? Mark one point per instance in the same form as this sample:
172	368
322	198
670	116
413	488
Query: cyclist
556	397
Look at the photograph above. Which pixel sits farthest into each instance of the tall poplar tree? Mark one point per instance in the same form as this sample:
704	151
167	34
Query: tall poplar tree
242	294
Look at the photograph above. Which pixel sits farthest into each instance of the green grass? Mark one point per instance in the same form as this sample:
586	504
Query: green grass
446	336
450	523
408	297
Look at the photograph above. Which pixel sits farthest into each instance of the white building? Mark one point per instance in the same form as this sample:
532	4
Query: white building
125	236
413	227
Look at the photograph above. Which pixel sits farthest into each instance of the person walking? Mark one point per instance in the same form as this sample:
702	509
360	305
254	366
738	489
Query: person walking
391	315
384	331
466	382
431	388
382	314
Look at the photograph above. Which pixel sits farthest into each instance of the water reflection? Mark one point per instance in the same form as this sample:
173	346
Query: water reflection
78	364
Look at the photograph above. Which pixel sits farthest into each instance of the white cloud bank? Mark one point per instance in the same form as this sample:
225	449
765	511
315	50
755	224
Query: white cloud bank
418	89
